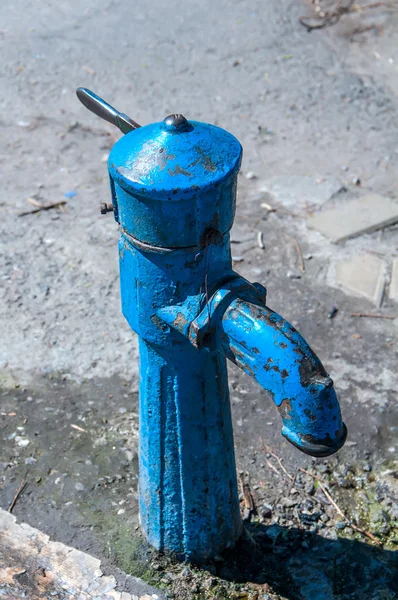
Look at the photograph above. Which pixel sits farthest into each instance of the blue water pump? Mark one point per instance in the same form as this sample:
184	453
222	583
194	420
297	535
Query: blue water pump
173	188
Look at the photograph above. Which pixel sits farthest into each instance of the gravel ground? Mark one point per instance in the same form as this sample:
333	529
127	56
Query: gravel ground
319	107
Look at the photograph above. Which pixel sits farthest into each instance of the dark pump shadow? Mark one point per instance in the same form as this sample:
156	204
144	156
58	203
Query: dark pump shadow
301	565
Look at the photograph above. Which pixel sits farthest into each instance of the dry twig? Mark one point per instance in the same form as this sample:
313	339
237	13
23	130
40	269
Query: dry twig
78	428
19	491
34	202
277	458
373	316
300	259
338	509
43	207
271	466
260	242
247	495
283	211
326	18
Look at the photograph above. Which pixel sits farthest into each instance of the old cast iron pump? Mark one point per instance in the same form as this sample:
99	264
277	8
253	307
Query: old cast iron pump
173	188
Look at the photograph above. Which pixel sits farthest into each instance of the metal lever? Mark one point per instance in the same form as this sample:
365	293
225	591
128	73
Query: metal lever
104	110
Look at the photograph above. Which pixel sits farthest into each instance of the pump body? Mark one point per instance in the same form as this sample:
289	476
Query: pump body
174	191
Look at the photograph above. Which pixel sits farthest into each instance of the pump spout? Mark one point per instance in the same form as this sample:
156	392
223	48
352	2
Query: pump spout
272	352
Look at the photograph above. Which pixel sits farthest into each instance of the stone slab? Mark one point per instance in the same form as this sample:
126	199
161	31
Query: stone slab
354	217
297	192
32	566
393	291
362	276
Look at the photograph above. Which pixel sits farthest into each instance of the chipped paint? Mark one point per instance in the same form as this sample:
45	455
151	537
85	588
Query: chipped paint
174	186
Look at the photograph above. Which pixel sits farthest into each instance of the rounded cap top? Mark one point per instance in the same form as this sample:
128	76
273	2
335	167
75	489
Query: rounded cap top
177	123
174	159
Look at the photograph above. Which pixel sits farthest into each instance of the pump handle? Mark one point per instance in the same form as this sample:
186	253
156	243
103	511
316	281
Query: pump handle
104	110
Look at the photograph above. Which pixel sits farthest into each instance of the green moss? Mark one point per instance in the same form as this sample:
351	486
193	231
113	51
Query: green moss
122	542
361	505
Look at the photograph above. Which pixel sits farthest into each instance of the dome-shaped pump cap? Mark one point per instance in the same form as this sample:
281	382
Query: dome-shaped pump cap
174	157
174	181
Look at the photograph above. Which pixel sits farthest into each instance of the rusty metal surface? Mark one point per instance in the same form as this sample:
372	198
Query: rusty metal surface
173	188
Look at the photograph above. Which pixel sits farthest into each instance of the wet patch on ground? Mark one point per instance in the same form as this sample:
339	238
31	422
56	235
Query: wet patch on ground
75	448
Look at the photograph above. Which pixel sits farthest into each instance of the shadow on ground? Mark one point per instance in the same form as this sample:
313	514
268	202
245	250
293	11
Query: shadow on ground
75	446
300	565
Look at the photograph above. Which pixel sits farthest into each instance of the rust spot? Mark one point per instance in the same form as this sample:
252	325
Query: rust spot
162	158
255	350
284	373
283	345
159	323
179	171
309	369
266	367
238	353
168	266
180	321
284	409
276	368
270	360
248	369
309	414
204	160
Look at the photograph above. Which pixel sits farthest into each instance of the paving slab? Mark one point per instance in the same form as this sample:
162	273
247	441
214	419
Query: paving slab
362	276
393	292
355	216
300	191
31	565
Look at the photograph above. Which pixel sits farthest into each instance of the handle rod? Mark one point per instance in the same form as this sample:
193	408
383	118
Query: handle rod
104	110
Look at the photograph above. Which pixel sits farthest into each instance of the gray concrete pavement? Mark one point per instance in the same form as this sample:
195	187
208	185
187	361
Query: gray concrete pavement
308	108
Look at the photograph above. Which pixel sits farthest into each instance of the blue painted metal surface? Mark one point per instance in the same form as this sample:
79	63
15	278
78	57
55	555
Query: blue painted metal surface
174	188
172	185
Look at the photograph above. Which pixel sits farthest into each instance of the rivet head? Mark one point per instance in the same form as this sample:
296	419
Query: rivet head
105	208
177	123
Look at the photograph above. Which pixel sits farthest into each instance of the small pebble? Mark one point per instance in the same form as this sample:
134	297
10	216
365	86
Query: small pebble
313	529
341	525
79	486
323	469
292	275
289	502
333	312
23	442
325	518
250	175
367	467
310	488
121	511
247	513
265	512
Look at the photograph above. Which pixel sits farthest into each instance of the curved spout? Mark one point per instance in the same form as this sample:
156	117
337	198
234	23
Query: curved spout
270	350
